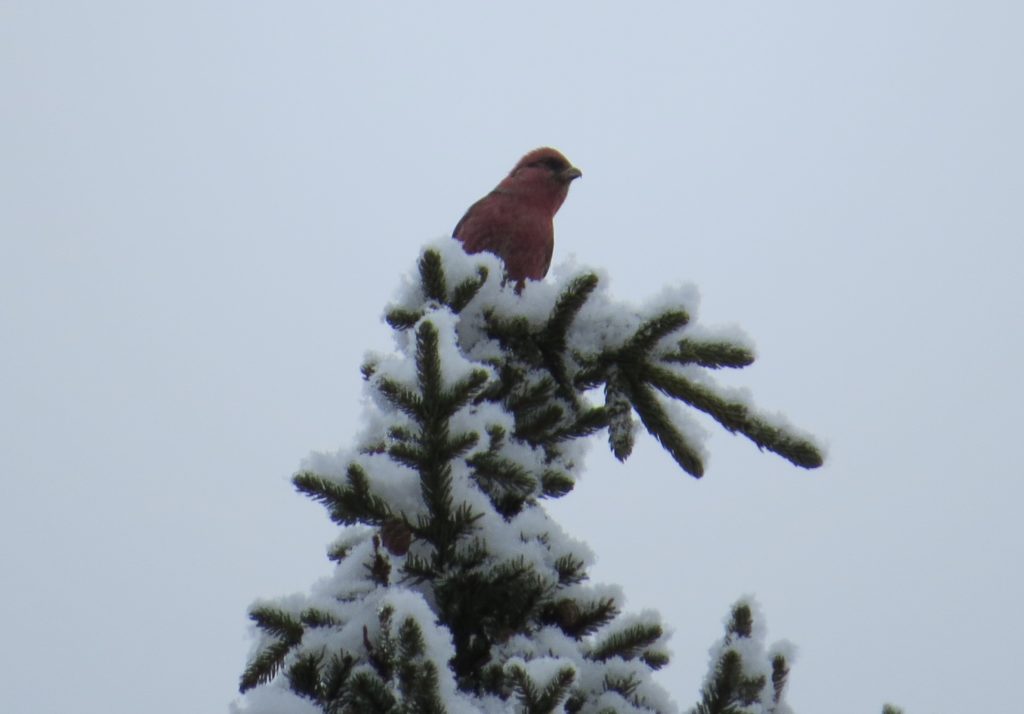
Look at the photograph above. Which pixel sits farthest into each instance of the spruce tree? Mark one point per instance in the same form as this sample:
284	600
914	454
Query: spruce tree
453	589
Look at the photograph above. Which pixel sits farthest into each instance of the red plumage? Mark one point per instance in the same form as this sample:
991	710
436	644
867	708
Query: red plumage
515	221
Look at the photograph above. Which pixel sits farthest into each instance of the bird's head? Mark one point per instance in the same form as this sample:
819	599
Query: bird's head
542	176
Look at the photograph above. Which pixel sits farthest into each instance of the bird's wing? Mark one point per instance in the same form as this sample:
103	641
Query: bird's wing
469	214
462	222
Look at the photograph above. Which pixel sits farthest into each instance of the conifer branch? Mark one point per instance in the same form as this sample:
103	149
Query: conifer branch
735	417
313	617
659	424
456	445
402	319
628	643
568	305
276	622
651	332
655	659
587	422
367	693
265	665
286	633
527	396
535	700
436	487
578	618
428	371
623	685
346	504
399	659
620	417
304	675
509	332
408	455
555	484
401	397
780	675
506	482
465	291
535	425
335	680
742	622
465	390
571	570
432	276
713	355
730	688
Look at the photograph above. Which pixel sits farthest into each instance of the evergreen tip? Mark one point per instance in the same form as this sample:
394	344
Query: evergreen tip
401	319
432	278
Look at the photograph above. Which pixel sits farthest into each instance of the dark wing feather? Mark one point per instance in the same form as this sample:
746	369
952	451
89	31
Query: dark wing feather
469	211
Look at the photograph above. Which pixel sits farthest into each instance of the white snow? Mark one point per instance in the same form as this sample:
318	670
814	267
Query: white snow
273	698
530	537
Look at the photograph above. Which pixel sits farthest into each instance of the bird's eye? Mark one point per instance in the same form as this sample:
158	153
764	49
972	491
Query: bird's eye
551	162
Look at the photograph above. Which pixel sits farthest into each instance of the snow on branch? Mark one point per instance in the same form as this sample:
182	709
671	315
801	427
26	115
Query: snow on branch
453	589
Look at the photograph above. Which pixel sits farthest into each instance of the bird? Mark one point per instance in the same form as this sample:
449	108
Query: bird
515	221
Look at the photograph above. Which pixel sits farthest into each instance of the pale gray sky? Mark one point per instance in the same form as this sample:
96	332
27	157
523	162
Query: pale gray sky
204	207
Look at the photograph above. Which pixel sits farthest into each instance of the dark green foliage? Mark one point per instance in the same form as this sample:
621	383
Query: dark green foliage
555	484
710	354
537	699
780	675
508	484
625	686
734	416
542	348
397	662
402	319
570	570
731	686
321	681
654	659
730	690
467	290
432	276
346	504
262	668
417	676
660	425
588	421
620	417
304	675
579	618
639	347
633	373
569	303
434	284
482	606
285	633
400	659
742	623
628	643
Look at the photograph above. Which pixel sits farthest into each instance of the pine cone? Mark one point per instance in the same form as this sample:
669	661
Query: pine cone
396	537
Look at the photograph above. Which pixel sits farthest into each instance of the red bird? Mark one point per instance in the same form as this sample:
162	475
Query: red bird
515	221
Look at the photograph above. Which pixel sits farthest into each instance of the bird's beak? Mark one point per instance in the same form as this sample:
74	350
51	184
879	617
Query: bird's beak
569	174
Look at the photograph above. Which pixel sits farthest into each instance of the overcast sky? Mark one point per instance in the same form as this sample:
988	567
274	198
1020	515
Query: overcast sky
204	207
